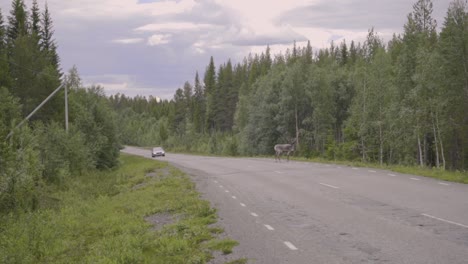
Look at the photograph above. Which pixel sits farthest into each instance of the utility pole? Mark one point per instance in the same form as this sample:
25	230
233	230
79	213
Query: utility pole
39	107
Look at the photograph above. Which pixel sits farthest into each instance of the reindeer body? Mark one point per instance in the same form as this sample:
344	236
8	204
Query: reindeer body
283	148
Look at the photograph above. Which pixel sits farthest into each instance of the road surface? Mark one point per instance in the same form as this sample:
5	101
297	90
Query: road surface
301	212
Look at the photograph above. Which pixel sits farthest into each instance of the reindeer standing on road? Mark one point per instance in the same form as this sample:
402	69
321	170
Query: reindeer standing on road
284	148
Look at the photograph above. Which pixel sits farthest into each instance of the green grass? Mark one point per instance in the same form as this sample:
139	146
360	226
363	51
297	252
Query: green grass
446	175
100	218
238	261
224	245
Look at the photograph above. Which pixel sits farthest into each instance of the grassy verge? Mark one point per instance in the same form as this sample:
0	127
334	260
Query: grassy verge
100	218
446	175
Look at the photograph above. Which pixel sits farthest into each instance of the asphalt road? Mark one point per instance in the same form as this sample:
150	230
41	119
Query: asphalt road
300	212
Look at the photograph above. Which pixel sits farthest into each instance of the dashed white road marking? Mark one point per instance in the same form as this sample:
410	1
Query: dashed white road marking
233	197
328	185
290	245
328	165
226	191
269	227
354	168
444	220
393	175
443	183
215	181
243	205
254	214
338	167
415	179
279	172
371	171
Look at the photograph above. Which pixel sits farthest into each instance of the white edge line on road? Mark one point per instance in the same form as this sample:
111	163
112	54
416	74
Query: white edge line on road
328	185
243	205
415	179
233	197
393	175
371	171
290	245
269	227
254	214
447	221
354	168
443	183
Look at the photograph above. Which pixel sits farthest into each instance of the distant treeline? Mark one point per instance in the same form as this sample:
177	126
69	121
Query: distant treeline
401	102
41	154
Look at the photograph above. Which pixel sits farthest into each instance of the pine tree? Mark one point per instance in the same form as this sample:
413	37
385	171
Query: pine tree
5	80
353	53
17	23
343	53
210	95
2	33
35	19
49	47
73	79
308	53
188	99
199	106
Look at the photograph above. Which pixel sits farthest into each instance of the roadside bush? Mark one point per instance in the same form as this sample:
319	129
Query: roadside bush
19	163
93	117
62	153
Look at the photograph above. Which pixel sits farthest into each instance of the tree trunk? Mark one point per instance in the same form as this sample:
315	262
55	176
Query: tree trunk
363	150
297	127
381	141
435	143
440	141
421	162
381	144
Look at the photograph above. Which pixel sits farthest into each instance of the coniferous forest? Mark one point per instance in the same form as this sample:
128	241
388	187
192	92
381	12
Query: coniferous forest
404	101
41	153
401	102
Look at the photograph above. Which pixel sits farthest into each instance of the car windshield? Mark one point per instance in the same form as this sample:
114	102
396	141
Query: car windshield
158	149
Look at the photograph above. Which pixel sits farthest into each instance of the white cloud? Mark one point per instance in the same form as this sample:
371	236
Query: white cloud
159	39
184	26
128	40
118	9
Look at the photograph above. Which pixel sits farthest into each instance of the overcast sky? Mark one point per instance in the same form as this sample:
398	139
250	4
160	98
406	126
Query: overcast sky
151	47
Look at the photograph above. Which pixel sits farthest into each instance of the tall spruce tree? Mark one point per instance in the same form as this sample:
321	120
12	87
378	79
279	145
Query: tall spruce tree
5	79
17	23
199	106
35	19
48	44
210	94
